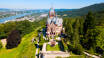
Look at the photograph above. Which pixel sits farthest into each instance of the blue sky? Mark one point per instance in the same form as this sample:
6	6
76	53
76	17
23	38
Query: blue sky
46	4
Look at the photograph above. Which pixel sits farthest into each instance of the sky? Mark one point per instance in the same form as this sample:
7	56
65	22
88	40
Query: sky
46	4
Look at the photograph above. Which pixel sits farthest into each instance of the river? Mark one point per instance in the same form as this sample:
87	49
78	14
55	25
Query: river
3	20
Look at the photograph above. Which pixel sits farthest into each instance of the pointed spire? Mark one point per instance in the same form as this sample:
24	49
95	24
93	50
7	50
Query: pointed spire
51	12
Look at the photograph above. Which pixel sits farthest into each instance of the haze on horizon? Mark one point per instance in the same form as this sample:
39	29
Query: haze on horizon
46	4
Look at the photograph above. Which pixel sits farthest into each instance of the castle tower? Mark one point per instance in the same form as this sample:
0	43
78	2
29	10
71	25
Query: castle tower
54	24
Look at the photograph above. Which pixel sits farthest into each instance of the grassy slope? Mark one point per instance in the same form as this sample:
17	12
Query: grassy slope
25	49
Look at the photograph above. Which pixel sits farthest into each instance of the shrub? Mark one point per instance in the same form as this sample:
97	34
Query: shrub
0	45
78	49
70	48
65	45
102	56
13	39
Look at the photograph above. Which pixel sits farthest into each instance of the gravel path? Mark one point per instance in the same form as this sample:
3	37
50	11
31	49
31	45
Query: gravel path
3	42
91	55
36	54
44	47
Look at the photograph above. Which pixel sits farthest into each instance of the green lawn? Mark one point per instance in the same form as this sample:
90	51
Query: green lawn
54	48
26	48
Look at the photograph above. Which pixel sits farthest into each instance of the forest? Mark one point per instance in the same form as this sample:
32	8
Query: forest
85	33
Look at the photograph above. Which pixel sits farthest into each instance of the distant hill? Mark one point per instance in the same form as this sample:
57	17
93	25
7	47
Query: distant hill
84	10
64	10
4	9
33	10
99	16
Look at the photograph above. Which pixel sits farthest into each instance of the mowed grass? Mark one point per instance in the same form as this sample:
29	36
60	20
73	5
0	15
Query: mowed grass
54	48
26	49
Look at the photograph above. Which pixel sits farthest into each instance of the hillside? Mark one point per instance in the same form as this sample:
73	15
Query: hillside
25	49
84	10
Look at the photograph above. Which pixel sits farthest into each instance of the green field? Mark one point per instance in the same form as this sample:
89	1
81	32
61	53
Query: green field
54	48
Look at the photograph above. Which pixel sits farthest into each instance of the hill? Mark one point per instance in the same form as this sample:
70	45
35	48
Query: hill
99	16
83	11
25	49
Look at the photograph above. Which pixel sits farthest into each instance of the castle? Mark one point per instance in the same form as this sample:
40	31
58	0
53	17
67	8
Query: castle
54	24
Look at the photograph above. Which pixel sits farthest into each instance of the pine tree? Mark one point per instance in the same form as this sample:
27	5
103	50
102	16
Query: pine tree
76	33
89	22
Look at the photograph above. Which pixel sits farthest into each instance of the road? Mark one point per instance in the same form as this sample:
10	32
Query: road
91	55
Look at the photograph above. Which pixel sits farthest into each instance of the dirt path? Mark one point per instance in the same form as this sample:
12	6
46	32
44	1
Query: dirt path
36	54
3	42
44	47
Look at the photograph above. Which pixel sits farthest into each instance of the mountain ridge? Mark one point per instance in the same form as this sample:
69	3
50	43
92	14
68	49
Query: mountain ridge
83	11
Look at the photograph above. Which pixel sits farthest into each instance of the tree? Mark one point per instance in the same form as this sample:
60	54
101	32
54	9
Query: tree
5	29
13	39
90	33
90	39
0	45
68	28
24	27
89	22
100	40
76	37
81	22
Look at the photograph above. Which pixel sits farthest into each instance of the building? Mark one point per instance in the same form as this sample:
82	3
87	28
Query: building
54	24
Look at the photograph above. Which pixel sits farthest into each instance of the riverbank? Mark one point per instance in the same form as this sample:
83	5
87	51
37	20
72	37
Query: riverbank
13	17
